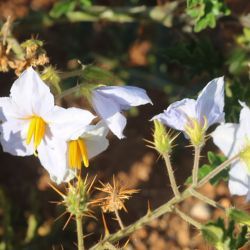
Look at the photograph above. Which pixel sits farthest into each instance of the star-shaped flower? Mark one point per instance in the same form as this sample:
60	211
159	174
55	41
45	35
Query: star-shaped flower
193	117
30	118
233	139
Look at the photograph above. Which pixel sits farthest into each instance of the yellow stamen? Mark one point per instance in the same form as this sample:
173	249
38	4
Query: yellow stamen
196	131
77	153
36	131
245	155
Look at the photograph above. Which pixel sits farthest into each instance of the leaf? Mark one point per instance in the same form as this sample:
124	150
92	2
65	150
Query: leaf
225	237
206	12
62	7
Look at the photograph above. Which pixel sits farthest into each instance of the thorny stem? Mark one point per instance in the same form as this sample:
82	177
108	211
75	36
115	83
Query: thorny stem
165	208
79	233
118	218
217	170
188	219
150	216
171	175
205	199
197	152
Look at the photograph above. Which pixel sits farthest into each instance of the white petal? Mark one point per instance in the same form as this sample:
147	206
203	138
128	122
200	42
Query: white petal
109	111
239	180
125	96
31	94
177	114
12	138
95	139
226	138
244	128
53	157
8	109
210	102
69	123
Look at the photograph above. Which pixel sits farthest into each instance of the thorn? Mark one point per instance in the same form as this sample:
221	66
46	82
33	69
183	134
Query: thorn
87	235
60	216
55	189
106	230
67	222
149	208
91	184
126	243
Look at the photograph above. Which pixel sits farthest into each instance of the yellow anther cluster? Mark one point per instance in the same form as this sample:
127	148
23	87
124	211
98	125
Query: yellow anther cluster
36	131
245	156
77	153
196	131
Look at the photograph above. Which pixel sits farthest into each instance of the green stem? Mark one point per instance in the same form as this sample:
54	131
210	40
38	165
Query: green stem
205	199
69	91
188	219
171	175
79	233
70	74
217	170
197	152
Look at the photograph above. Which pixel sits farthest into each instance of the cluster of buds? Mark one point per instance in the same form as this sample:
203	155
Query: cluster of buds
19	56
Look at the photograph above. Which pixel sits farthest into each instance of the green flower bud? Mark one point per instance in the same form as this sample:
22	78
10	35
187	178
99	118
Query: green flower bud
162	140
77	199
50	76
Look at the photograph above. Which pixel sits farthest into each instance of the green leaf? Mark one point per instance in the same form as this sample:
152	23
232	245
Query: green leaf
225	237
206	12
62	7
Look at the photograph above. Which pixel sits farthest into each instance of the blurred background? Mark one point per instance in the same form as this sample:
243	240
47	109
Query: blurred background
171	49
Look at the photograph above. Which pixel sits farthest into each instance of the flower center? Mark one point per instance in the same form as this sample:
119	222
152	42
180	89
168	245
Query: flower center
36	131
245	156
196	131
77	153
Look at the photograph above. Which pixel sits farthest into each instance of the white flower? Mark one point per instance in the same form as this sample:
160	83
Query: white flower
72	146
193	117
28	117
109	101
233	139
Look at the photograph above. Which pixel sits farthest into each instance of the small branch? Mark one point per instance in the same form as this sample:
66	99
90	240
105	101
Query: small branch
119	219
171	175
217	170
197	152
79	233
188	219
165	208
74	73
205	199
69	91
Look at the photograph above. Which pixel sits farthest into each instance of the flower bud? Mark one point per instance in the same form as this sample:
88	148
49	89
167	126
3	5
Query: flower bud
50	76
77	199
196	131
162	141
